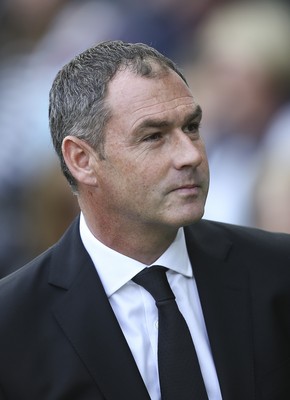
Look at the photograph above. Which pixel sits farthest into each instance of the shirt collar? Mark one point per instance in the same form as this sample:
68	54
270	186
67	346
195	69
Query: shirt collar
116	269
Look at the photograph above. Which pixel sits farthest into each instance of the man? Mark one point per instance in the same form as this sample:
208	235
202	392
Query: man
74	324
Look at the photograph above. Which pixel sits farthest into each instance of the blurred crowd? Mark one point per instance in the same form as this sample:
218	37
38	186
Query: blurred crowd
236	56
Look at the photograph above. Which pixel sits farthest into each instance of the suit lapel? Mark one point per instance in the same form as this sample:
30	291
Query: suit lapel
87	320
224	293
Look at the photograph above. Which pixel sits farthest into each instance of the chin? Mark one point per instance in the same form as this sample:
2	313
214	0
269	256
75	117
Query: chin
190	218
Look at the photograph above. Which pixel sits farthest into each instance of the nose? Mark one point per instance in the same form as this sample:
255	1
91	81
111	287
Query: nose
186	151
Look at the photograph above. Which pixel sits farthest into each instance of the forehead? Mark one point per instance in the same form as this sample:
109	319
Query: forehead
132	97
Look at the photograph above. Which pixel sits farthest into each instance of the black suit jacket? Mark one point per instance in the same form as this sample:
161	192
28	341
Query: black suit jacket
60	340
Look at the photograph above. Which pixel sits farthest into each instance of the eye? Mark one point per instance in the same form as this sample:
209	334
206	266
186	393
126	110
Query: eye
153	137
193	126
192	129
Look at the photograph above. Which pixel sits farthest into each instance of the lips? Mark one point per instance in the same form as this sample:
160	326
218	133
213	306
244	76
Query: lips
187	189
186	186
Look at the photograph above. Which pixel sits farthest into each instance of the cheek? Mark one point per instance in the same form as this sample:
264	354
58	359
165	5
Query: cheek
136	175
205	166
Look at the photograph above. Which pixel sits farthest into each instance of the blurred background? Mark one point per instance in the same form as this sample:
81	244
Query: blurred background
236	56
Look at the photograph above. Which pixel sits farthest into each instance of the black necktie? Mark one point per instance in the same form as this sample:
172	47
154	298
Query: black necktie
179	371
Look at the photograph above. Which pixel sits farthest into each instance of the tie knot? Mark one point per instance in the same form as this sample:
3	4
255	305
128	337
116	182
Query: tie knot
154	280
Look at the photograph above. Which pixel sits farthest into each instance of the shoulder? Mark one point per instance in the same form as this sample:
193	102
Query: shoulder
23	298
241	253
32	282
214	234
25	278
236	232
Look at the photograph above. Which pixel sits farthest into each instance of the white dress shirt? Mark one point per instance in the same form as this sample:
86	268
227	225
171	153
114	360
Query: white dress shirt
137	313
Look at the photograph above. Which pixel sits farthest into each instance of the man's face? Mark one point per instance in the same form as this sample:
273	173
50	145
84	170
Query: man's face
155	171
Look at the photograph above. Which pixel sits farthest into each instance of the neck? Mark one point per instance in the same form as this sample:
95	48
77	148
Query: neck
145	244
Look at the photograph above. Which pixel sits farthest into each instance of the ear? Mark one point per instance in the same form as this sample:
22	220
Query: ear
80	159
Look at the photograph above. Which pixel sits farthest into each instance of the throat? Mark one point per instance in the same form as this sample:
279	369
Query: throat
142	248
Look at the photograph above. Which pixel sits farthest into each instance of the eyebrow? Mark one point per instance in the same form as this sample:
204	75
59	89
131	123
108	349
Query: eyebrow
155	123
196	114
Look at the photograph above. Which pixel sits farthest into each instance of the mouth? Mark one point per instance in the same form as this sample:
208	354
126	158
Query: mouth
188	189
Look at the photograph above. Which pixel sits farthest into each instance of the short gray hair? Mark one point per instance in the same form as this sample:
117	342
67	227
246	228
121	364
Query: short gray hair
77	98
